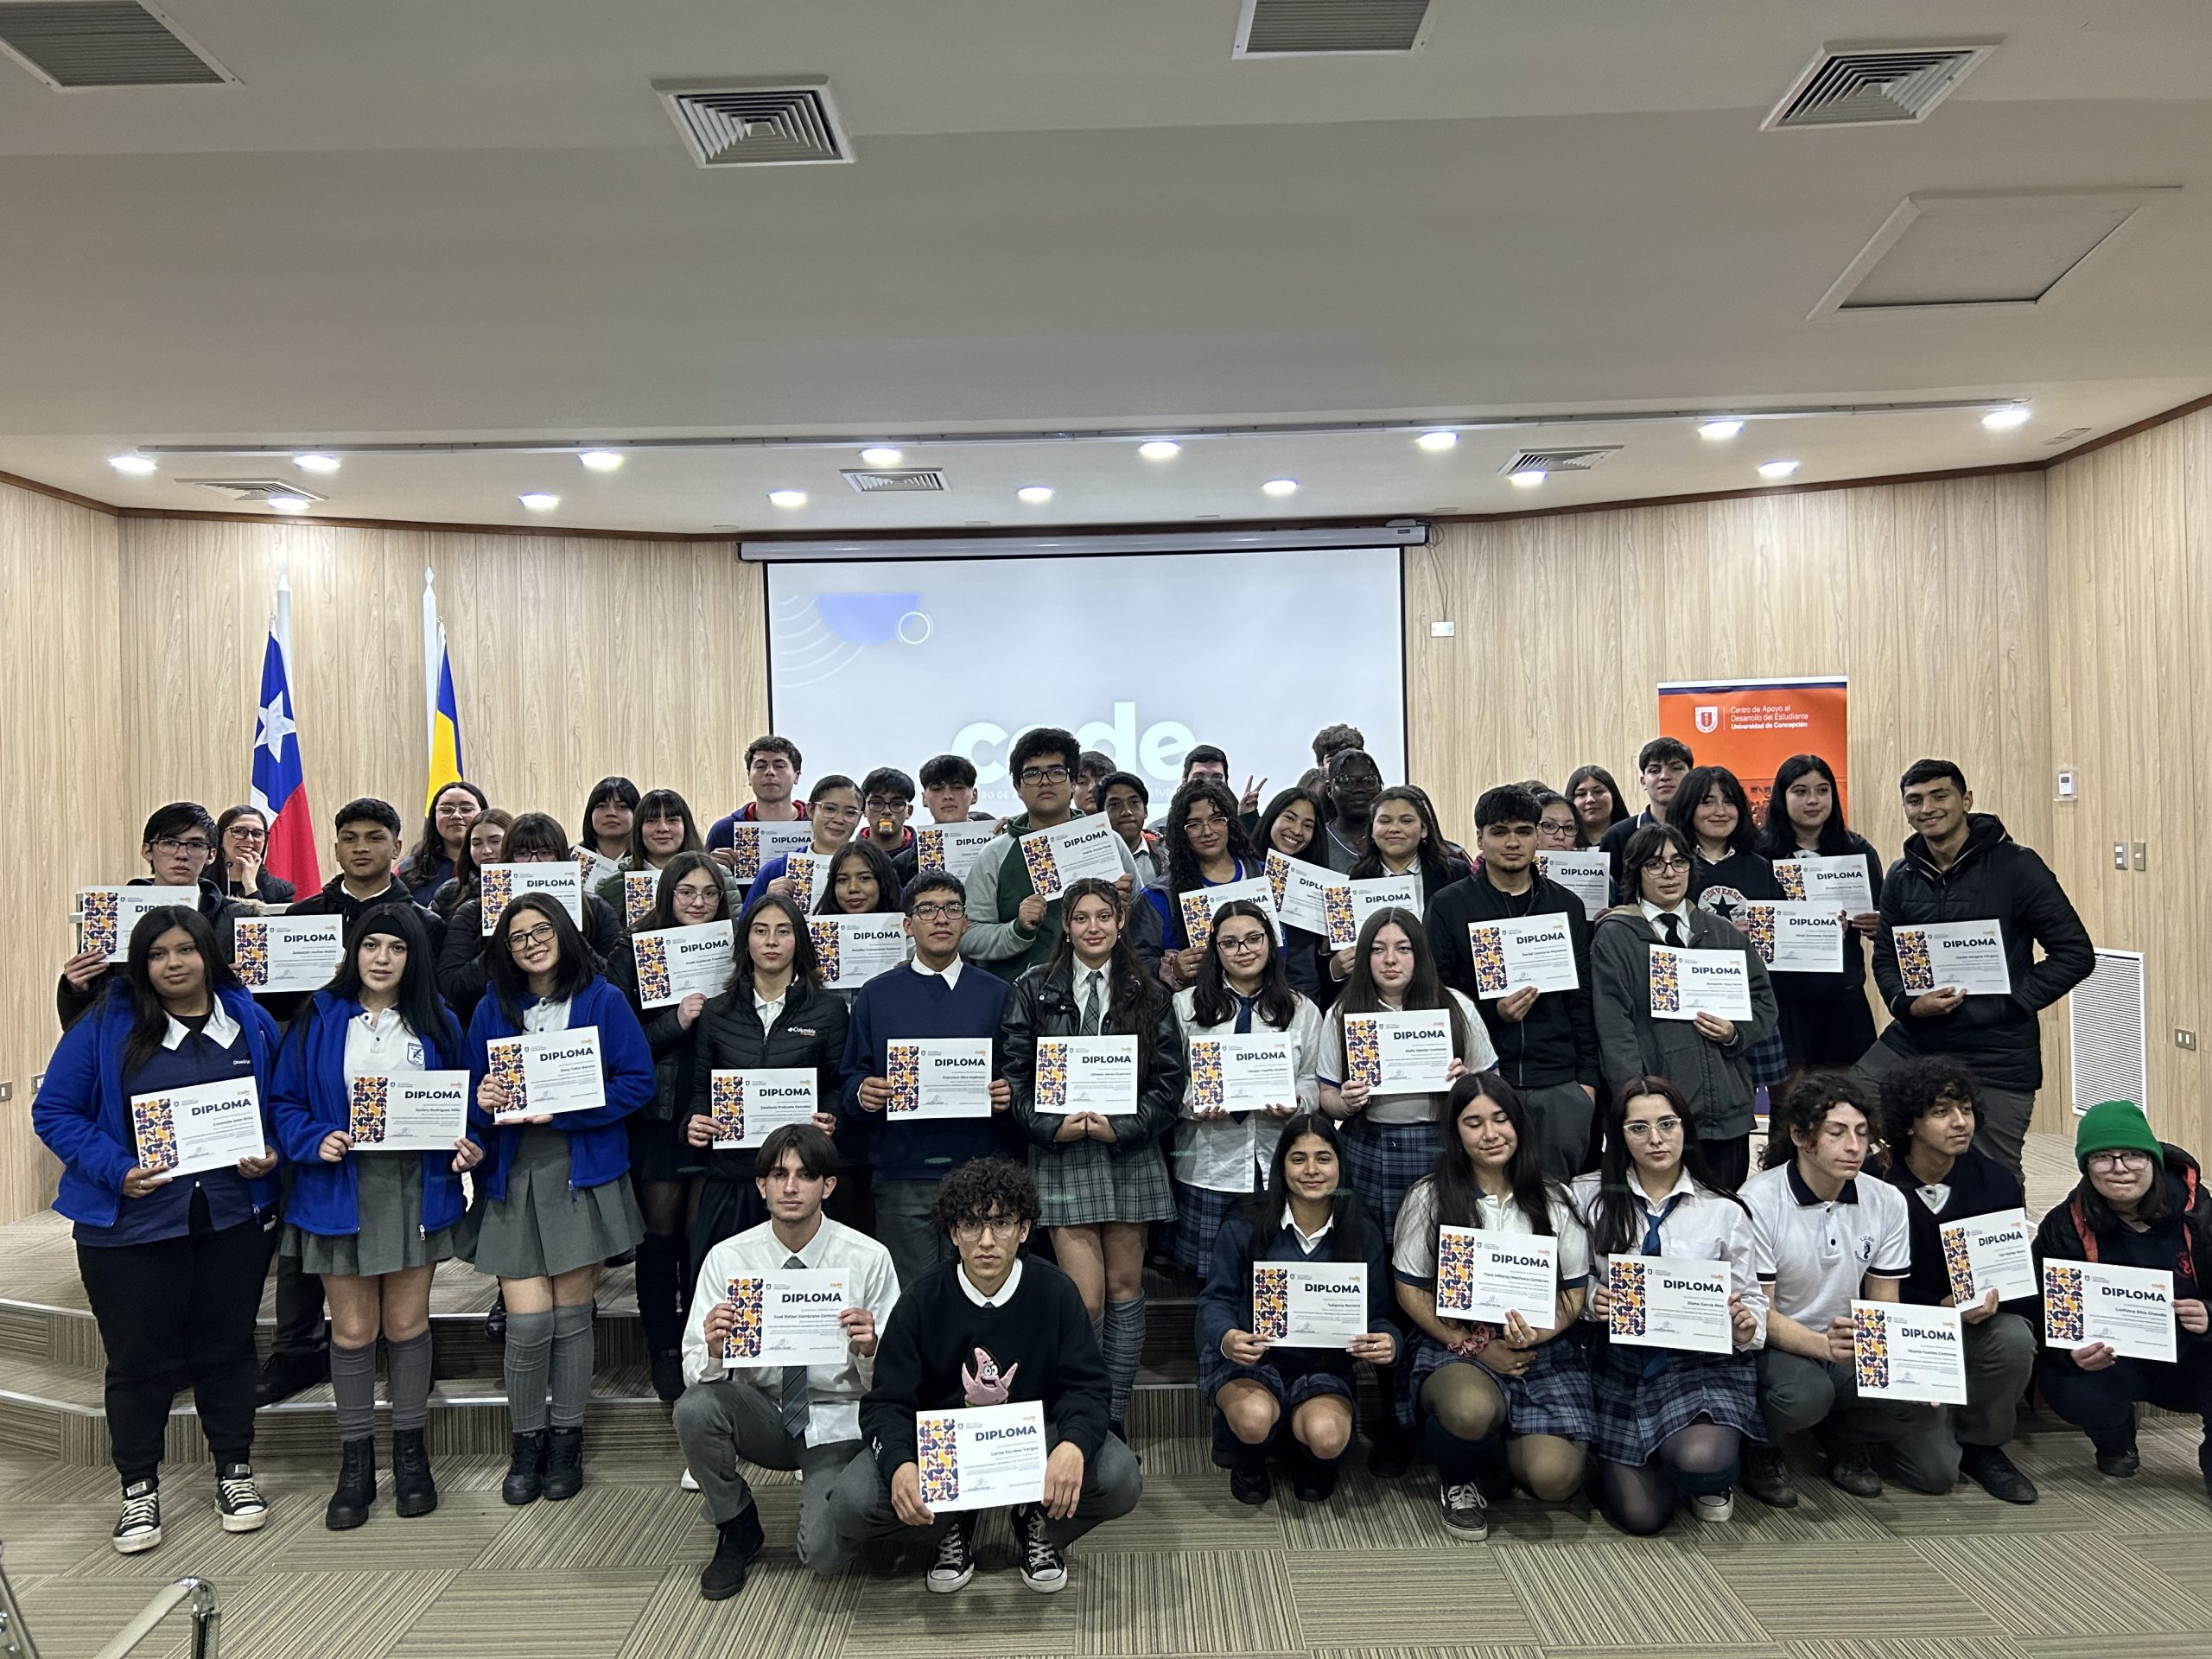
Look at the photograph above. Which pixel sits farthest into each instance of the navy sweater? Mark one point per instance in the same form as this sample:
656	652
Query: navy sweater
902	1005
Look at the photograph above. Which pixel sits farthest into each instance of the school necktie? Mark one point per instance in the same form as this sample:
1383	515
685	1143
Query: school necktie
1094	1010
1653	1221
1673	924
1244	1015
792	1403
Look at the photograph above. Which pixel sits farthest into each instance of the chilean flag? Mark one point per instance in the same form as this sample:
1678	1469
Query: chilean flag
279	785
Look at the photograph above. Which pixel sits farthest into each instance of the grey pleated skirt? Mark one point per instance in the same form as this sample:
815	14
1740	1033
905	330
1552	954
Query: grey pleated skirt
543	1227
389	1189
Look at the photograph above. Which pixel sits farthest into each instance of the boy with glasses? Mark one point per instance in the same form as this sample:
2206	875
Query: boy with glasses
834	814
992	1328
179	845
886	802
935	995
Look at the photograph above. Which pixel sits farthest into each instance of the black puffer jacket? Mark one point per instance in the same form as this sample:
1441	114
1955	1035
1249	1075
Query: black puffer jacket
808	1032
1043	1005
673	1048
1995	879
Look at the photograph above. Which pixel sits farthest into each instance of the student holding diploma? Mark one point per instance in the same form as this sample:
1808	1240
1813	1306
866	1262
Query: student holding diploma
1222	1150
178	844
1706	1057
1290	832
666	1170
1404	841
995	1330
2141	1204
1727	873
1671	1420
775	1016
934	1012
1101	1176
1956	1195
661	829
1206	847
468	963
1508	1402
835	815
155	1103
857	880
486	844
374	1224
1825	1021
779	1415
1304	1215
558	1199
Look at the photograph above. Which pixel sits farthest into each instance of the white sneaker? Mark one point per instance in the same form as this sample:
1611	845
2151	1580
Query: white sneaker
690	1481
140	1525
1714	1507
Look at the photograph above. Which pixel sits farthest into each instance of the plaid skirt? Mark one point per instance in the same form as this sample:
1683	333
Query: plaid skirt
1551	1397
1200	1212
1768	1060
1085	1182
1293	1376
1383	1160
1635	1413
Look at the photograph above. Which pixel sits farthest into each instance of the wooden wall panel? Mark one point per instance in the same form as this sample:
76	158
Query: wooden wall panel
59	682
2131	633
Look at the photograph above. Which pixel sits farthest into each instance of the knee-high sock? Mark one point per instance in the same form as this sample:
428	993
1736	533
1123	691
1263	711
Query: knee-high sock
660	1291
409	1364
529	1360
353	1385
572	1358
1124	1346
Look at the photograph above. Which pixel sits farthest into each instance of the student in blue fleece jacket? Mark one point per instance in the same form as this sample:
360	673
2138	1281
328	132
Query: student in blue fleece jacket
556	1202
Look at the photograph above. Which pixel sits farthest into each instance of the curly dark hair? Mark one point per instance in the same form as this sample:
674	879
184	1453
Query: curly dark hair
1807	1106
986	1188
1911	1092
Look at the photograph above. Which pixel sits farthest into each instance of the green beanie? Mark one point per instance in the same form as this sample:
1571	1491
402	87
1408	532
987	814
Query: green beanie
2114	1126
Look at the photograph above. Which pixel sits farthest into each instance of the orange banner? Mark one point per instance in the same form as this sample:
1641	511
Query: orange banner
1752	727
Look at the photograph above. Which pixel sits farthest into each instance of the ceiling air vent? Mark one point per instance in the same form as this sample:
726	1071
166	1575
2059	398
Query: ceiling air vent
253	489
1559	461
2069	435
738	124
906	480
76	45
1858	85
1313	28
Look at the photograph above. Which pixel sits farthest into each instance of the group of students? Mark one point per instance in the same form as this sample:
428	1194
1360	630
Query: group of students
954	1302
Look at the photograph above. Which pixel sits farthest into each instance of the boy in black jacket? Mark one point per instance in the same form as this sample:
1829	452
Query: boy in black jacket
993	1328
1546	1041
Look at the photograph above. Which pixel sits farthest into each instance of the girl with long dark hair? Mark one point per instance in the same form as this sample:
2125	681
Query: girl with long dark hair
1825	1021
1290	824
436	856
1597	802
610	818
1206	847
1403	838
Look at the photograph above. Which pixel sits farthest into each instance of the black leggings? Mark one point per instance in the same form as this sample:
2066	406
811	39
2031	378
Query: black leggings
1697	1459
178	1310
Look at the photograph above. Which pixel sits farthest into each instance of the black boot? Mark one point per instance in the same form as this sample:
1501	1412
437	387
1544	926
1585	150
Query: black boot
1249	1481
1313	1478
525	1481
741	1540
660	1291
565	1464
412	1486
495	1322
357	1486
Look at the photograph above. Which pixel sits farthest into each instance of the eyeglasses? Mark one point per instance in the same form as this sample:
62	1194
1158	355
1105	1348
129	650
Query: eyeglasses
170	844
1242	941
2105	1162
886	803
824	811
1044	775
1669	866
950	910
467	811
246	832
1665	1128
972	1232
525	938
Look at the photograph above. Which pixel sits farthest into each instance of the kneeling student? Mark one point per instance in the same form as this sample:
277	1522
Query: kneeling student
991	1329
805	1418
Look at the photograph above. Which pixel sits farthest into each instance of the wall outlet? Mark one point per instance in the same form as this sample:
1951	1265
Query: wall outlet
2119	855
7	1089
2184	1038
2142	852
1442	630
2067	787
38	1081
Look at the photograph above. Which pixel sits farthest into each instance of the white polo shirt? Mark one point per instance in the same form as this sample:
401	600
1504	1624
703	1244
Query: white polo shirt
1813	1254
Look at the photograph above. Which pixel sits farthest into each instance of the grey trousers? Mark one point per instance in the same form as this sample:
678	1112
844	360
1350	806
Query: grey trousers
1796	1394
1560	1113
860	1505
720	1422
2000	1127
905	1223
2000	1355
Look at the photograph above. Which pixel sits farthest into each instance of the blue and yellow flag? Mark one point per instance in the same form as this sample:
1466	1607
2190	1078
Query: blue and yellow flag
438	695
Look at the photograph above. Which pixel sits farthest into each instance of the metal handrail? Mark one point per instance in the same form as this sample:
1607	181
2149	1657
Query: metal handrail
16	1636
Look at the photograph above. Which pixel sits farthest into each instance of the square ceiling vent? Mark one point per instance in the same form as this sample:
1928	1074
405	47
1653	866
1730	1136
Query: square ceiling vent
80	45
739	124
905	480
1318	28
253	489
1871	84
1953	250
1561	460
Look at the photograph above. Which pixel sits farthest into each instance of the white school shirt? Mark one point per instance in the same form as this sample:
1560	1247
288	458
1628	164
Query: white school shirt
834	1391
949	972
1413	1251
546	1016
998	1298
381	1046
1705	1226
1307	1242
1080	984
1681	913
220	1029
1813	1253
1232	1155
1475	1053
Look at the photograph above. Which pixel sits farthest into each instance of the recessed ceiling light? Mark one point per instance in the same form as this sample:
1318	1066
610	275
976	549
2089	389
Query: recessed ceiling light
1280	487
882	455
1159	449
1034	493
1776	468
289	503
1434	441
1529	477
539	501
787	497
1717	430
602	461
316	463
136	466
2003	420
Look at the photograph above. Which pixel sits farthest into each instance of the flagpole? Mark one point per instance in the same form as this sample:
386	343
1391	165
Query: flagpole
433	650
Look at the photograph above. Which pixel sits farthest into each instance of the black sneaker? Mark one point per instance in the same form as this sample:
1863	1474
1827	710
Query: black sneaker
2122	1463
140	1525
1851	1468
668	1375
239	1500
1990	1469
1765	1475
1314	1481
741	1540
956	1557
1465	1511
1248	1481
1044	1569
283	1376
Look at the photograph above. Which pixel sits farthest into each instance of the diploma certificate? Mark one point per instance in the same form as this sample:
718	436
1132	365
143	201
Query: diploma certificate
750	1106
1902	1350
1686	983
1793	936
938	1076
1087	1074
1201	905
1242	1074
2130	1309
853	950
551	1072
751	845
1835	883
952	847
1059	857
287	953
1991	1252
204	1125
1587	876
1309	1305
409	1111
1657	1301
1485	1275
556	877
1519	951
1349	904
1399	1053
787	1318
675	961
1966	956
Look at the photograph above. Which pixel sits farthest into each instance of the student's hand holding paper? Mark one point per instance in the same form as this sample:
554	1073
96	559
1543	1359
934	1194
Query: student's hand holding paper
687	1011
254	1168
1601	1298
781	886
1354	1095
1936	1003
492	1096
1074	1127
1868	922
875	1094
1503	1359
1242	1348
144	1181
334	1147
2189	1313
1743	1324
700	1131
859	1326
1100	1129
1456	1071
1031	913
1376	1347
906	1493
83	968
716	1326
1712	1026
1516	1007
1843	1335
1519	1333
2094	1356
1978	1313
826	1122
1063	1480
1125	884
1188	962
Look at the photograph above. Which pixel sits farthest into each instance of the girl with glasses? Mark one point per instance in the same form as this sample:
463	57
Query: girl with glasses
1557	830
1206	847
436	856
468	963
241	847
835	814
